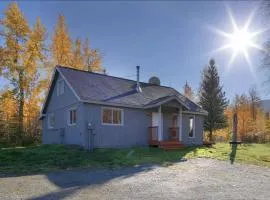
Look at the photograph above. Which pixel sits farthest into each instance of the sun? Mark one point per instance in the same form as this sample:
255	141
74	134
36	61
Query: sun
240	40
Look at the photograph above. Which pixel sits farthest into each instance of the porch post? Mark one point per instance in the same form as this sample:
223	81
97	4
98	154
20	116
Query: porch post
180	124
160	124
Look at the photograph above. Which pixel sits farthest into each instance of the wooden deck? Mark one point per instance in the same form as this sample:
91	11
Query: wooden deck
172	143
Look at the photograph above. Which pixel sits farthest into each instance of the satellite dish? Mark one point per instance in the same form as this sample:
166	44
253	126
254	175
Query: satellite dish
154	80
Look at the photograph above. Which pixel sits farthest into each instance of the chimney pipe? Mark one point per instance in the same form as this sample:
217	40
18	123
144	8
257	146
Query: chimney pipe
138	88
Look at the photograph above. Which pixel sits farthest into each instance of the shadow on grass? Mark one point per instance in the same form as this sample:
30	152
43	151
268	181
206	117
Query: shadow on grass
104	164
233	153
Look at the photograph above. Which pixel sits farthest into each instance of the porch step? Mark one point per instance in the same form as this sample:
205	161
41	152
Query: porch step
169	145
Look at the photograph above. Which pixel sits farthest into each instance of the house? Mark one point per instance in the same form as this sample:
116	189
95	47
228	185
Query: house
101	111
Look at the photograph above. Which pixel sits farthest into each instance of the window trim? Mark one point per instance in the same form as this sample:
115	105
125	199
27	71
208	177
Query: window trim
193	117
112	109
58	87
49	121
68	116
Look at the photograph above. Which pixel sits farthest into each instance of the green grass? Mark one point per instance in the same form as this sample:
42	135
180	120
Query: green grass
45	158
257	154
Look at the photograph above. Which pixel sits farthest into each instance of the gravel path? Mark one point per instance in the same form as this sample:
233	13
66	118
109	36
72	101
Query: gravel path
193	179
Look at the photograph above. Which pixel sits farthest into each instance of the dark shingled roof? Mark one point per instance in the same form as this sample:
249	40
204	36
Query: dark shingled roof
108	89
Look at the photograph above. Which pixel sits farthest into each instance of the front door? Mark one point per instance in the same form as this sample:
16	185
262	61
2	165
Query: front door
157	122
174	129
155	119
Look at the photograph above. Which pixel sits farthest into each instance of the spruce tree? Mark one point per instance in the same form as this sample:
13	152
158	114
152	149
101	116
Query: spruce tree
212	99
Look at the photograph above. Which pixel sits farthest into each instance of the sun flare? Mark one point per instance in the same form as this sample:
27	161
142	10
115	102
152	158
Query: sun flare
240	40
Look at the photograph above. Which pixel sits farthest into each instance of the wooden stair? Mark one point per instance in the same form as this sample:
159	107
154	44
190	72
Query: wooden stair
170	145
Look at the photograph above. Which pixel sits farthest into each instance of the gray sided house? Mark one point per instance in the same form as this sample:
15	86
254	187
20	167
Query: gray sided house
100	111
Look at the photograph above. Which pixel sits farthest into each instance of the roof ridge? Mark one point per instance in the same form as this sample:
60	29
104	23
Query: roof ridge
80	70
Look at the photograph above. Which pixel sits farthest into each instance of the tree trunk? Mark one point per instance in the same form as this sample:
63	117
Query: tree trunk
21	105
211	135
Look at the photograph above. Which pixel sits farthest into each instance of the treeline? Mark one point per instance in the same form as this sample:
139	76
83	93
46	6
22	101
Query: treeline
27	59
253	122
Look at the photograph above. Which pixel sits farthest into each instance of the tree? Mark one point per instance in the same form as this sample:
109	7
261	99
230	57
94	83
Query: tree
61	46
15	36
265	65
254	99
77	58
188	92
9	116
92	58
22	50
212	99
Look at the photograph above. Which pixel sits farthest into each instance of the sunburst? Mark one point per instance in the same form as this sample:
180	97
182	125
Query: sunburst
240	40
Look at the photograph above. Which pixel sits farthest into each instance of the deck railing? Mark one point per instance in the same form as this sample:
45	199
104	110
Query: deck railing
153	135
174	133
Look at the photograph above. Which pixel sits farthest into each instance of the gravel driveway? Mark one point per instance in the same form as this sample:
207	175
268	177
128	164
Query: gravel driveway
193	179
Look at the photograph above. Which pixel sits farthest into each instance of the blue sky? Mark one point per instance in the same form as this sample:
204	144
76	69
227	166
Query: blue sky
170	40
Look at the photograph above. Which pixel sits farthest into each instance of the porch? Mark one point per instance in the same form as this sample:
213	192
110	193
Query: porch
172	142
165	130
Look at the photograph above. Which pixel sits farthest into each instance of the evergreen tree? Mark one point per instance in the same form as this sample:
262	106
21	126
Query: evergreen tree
212	99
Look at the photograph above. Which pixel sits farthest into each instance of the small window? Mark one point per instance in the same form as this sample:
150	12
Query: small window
112	116
72	118
60	87
191	127
51	120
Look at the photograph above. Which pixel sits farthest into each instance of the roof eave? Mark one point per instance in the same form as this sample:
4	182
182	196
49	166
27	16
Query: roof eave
195	113
111	104
167	100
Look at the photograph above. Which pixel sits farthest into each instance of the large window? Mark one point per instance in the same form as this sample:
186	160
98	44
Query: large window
51	120
191	127
60	87
112	116
72	117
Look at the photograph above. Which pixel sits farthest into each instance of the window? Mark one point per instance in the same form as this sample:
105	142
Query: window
191	127
51	120
60	87
72	118
112	116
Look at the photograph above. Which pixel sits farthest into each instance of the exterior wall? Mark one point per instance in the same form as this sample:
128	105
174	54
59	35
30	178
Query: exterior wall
133	132
60	105
198	139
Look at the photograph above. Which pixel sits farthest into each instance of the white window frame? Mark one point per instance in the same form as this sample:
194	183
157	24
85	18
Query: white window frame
68	116
59	91
112	109
193	117
49	121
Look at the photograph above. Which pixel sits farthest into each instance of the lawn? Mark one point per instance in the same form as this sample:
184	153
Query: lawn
45	158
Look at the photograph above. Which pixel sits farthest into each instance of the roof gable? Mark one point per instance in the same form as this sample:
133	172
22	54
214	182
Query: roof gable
52	89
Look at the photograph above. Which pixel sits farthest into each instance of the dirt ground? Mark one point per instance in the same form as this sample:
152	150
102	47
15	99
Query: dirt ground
192	179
